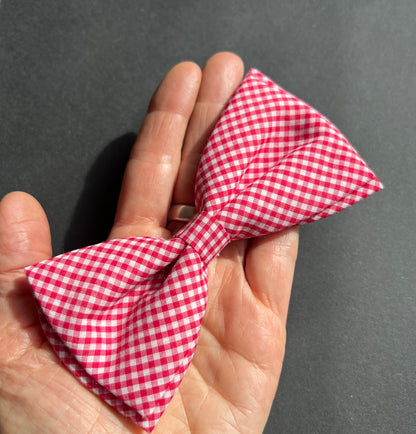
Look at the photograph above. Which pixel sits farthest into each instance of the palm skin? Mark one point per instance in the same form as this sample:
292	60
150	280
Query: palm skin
231	382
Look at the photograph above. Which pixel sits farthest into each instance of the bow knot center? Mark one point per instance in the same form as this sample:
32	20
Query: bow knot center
206	235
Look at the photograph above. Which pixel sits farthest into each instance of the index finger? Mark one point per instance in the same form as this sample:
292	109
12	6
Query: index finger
151	171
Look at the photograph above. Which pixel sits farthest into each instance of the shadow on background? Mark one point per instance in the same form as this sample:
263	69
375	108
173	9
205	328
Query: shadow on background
96	208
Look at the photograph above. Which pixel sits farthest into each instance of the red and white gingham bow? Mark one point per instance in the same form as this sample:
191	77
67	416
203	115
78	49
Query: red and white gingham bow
124	315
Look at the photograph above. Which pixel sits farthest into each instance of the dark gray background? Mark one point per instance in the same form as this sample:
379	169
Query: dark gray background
75	80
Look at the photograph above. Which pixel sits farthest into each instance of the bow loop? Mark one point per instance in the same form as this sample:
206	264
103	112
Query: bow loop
272	161
132	305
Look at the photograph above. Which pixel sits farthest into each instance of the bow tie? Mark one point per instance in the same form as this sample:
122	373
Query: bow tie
124	315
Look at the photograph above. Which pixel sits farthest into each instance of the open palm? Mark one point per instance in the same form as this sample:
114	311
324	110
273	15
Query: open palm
233	376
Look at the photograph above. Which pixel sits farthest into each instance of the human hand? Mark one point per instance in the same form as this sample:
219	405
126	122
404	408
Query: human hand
233	376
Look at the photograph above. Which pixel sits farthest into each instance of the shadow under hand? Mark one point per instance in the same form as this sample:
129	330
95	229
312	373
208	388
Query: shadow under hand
96	208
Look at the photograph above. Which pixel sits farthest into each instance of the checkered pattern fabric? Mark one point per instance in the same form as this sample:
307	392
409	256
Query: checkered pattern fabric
124	315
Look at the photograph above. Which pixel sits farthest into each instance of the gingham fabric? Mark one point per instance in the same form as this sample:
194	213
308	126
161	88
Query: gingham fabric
124	315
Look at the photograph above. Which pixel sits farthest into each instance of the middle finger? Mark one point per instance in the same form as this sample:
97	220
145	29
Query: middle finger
221	76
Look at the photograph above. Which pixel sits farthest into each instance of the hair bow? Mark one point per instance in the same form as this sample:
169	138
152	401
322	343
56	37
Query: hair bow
124	315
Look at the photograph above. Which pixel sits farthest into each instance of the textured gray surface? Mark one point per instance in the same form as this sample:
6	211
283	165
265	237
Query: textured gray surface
75	79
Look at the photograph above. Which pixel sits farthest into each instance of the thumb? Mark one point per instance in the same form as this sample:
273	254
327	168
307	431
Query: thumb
24	232
24	239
